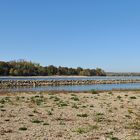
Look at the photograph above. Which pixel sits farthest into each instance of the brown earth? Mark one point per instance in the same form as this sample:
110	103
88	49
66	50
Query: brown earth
73	116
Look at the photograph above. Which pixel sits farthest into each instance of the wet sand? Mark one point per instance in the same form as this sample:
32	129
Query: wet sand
70	116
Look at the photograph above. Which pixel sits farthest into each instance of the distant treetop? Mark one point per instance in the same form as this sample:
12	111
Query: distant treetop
28	68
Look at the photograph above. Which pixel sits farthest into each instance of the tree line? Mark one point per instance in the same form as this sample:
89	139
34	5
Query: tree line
28	68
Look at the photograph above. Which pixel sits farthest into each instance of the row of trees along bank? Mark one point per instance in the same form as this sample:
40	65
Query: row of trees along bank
28	68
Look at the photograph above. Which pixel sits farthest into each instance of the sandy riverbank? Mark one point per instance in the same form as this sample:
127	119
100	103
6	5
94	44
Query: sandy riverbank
70	116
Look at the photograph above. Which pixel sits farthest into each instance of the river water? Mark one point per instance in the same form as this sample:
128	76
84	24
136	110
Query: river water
75	87
72	78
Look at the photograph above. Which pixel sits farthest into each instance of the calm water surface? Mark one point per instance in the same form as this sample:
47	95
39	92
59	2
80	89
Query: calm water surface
76	87
71	78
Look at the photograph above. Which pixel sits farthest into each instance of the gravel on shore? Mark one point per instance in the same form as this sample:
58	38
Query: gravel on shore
113	115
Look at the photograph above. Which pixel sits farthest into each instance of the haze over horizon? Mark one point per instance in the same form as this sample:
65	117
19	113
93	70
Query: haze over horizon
73	33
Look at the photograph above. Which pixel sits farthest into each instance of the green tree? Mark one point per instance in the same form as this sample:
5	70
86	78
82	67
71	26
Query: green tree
51	70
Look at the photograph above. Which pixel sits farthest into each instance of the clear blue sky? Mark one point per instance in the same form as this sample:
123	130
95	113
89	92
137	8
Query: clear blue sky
86	33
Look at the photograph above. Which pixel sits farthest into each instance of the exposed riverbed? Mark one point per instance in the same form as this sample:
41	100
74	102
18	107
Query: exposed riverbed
68	83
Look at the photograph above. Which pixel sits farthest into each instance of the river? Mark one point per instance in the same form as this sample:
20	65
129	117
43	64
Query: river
75	87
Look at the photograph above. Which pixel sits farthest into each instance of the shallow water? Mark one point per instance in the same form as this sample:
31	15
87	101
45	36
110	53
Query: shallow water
72	78
76	87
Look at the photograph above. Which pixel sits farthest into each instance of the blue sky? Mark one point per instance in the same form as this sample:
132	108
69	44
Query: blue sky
86	33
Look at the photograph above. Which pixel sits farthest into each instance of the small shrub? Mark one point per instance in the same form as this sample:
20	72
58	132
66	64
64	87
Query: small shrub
80	130
133	97
135	125
100	114
46	123
49	112
17	98
2	101
114	138
110	110
93	91
73	95
7	120
23	128
119	97
128	116
30	115
3	110
75	106
62	103
99	117
110	136
36	121
86	129
84	106
62	123
75	98
1	106
110	93
130	111
82	115
35	111
38	100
